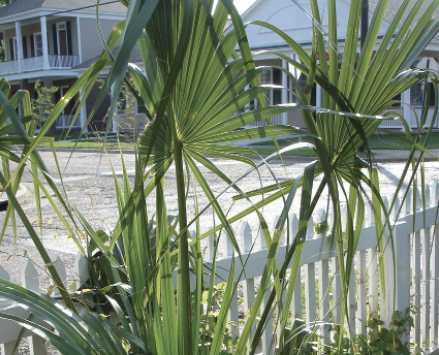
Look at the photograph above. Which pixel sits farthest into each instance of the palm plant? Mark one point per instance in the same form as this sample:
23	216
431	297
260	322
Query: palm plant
366	85
193	94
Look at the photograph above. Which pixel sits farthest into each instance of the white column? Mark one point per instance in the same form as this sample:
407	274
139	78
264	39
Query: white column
284	91
247	106
406	112
78	27
319	100
83	113
115	120
43	22
19	46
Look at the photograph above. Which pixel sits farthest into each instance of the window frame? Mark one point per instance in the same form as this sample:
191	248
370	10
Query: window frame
35	35
58	25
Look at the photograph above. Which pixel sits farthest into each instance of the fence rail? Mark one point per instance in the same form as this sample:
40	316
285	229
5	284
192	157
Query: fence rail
412	267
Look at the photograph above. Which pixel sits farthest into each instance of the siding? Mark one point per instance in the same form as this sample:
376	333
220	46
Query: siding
91	43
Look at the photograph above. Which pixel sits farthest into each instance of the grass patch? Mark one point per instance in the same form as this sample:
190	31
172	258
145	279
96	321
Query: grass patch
93	141
376	142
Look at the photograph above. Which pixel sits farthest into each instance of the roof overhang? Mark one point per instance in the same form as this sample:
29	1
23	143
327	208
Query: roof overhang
38	13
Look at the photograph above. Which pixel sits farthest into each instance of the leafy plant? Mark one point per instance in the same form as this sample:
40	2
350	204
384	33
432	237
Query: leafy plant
43	105
191	115
380	339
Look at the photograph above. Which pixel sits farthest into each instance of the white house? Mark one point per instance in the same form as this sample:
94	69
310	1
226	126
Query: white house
290	18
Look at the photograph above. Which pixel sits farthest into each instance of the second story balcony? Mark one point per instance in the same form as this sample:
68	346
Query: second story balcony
41	44
38	63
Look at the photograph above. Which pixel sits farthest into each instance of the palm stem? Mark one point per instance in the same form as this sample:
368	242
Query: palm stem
183	296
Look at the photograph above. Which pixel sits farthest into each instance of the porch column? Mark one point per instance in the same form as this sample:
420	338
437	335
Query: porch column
24	85
115	118
78	27
318	95
83	113
284	91
406	112
19	46
43	22
247	106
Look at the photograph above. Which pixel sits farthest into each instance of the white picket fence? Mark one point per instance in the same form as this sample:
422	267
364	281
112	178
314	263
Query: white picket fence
9	330
415	255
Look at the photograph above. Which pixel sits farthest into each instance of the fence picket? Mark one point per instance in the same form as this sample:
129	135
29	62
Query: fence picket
248	286
351	301
3	274
373	281
29	276
267	335
435	272
425	292
210	246
324	299
416	270
260	238
361	291
336	291
80	270
7	348
296	304
394	213
310	294
61	269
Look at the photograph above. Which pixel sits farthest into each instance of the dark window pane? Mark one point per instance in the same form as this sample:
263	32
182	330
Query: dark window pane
277	76
416	95
397	98
277	96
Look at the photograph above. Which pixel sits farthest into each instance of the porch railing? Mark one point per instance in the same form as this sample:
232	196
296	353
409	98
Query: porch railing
63	61
37	63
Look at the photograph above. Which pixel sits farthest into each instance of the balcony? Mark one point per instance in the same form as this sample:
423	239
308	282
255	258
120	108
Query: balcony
37	63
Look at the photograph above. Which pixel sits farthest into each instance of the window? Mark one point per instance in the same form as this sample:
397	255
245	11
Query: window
396	98
417	96
62	40
139	110
274	96
38	43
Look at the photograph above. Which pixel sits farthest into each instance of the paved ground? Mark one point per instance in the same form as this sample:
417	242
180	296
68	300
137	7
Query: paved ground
90	187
